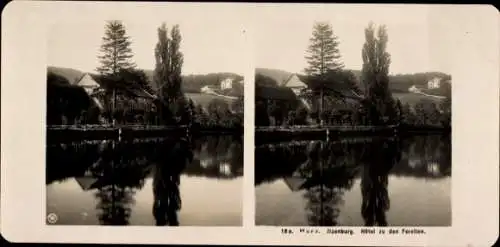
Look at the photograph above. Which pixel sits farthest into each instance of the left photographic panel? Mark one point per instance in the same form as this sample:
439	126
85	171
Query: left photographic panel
144	122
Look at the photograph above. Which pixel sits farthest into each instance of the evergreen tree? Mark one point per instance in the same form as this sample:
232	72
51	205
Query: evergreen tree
116	56
323	57
375	74
115	49
323	53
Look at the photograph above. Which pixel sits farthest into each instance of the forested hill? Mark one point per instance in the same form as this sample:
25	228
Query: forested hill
190	83
398	83
193	83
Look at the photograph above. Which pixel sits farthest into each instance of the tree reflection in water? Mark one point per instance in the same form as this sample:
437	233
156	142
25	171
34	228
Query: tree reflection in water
114	171
331	172
119	175
374	180
167	170
324	171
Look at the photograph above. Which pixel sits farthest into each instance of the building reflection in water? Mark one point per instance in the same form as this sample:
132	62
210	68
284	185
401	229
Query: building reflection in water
324	171
115	171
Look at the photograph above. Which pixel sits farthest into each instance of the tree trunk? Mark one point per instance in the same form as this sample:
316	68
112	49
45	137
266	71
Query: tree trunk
321	108
114	107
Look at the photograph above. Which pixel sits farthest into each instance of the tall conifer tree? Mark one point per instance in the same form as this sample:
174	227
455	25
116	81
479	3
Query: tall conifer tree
323	54
115	49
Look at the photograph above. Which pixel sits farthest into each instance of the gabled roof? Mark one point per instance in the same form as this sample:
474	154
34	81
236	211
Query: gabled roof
86	183
294	183
86	80
294	81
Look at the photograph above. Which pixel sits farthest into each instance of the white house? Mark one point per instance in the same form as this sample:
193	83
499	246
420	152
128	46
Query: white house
413	89
207	89
226	83
434	83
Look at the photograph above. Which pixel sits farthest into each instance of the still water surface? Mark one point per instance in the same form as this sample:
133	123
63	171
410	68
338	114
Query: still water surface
146	182
355	182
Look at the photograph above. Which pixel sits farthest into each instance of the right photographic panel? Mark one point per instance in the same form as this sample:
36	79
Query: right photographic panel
352	119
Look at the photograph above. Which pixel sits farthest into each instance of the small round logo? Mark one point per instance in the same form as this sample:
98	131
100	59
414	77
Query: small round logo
52	218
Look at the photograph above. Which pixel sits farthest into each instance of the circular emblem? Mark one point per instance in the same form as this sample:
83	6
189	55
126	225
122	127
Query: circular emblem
52	218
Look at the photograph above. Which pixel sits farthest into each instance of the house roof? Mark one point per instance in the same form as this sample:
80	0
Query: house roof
294	183
339	87
86	80
279	76
86	183
275	93
294	81
127	88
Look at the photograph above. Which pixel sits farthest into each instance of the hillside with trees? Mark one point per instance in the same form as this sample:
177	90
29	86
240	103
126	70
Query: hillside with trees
371	96
125	94
190	83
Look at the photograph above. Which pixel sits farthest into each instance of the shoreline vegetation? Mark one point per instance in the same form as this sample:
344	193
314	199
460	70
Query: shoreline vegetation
110	132
265	135
123	101
329	101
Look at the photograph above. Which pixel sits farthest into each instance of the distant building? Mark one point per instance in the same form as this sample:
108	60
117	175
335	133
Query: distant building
226	84
208	89
434	83
413	89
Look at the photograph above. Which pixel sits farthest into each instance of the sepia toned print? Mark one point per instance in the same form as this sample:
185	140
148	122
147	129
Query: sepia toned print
348	132
146	132
121	117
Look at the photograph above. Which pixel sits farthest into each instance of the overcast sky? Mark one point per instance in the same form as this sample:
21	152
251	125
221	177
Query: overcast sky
212	41
219	38
414	40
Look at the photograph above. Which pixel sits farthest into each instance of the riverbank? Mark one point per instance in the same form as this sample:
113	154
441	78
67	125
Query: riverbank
276	134
108	132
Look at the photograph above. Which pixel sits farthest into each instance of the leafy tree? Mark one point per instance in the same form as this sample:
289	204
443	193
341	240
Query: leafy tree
186	111
300	116
375	74
407	116
167	73
421	114
238	105
323	53
265	81
261	115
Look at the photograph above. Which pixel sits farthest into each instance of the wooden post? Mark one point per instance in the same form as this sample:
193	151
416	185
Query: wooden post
160	110
321	107
114	107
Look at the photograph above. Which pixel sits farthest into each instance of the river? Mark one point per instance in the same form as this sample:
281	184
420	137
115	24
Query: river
146	182
355	182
